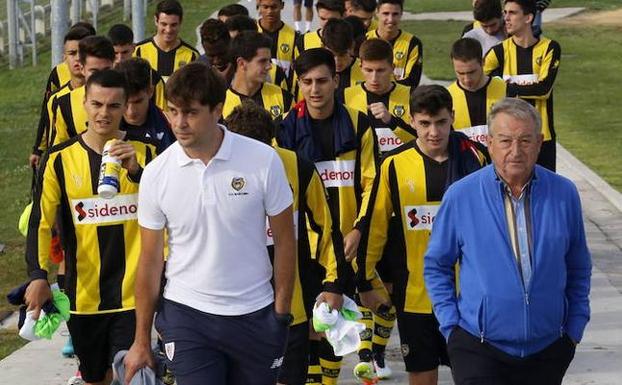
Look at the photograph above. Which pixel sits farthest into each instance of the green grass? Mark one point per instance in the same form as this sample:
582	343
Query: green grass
586	115
9	342
466	5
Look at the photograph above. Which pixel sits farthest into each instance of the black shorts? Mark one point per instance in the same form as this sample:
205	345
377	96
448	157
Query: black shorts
393	252
296	361
423	345
307	3
97	338
548	155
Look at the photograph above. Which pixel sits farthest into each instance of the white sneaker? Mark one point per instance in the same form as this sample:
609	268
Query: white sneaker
383	371
75	380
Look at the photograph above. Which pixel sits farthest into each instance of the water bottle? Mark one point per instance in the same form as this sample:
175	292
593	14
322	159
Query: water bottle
109	185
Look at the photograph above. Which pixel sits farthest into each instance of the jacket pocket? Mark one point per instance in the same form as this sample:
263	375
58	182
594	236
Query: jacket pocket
547	313
503	318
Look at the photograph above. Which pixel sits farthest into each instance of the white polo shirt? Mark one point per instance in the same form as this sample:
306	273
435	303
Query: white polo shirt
215	216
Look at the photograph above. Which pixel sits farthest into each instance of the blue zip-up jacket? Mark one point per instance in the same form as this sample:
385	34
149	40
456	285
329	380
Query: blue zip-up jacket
493	304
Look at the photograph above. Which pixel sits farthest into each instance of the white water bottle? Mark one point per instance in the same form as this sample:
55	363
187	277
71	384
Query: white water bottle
109	185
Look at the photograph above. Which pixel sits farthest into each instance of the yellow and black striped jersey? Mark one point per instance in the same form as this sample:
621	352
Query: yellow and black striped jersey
100	237
373	25
274	99
311	39
283	46
46	121
158	97
59	76
530	73
410	186
277	76
166	62
471	109
317	242
69	116
393	134
407	57
350	76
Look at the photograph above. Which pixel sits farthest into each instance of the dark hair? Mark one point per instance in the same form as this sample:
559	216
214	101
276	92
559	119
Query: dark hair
396	2
312	58
214	31
331	5
241	23
96	46
137	72
246	44
232	10
77	33
121	34
358	31
528	6
466	49
251	120
85	24
108	78
486	10
365	5
430	99
195	82
376	49
169	7
337	36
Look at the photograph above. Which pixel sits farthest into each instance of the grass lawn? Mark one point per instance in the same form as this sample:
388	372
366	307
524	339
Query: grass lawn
466	5
9	342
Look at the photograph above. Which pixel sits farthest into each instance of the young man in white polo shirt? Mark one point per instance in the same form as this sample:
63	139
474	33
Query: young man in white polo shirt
220	320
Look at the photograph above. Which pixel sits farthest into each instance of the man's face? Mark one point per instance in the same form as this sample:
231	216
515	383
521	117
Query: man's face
93	64
378	75
514	146
361	14
192	124
137	107
216	54
72	58
256	70
318	87
469	73
167	27
122	52
104	107
432	130
493	26
324	15
270	10
389	17
342	60
515	20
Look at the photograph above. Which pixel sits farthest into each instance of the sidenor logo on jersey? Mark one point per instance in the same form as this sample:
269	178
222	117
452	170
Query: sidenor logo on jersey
420	217
387	140
336	173
97	210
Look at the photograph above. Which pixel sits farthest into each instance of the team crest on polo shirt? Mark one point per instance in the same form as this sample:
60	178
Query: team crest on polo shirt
169	348
285	47
238	183
539	61
399	55
276	111
398	111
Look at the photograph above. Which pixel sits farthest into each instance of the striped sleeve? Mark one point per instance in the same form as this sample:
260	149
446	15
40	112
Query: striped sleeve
368	164
546	78
414	65
493	61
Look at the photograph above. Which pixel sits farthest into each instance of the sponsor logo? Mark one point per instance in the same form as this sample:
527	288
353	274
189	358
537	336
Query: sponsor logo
277	363
169	348
420	217
399	110
399	55
387	140
525	79
99	210
276	111
270	239
405	350
284	48
399	73
238	183
336	173
476	133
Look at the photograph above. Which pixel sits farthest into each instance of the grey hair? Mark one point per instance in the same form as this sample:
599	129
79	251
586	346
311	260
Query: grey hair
518	109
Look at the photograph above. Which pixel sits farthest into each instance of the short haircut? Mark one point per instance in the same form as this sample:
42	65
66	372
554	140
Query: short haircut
169	7
517	108
195	82
430	99
96	46
108	78
85	24
487	10
395	2
359	31
376	49
77	33
214	31
251	120
337	36
137	72
466	49
241	23
246	44
365	5
312	58
232	10
331	5
121	34
528	6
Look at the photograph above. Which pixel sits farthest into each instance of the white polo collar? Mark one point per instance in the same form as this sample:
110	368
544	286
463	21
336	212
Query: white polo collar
223	153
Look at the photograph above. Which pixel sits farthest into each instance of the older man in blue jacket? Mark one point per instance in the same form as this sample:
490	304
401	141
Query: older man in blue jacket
516	231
